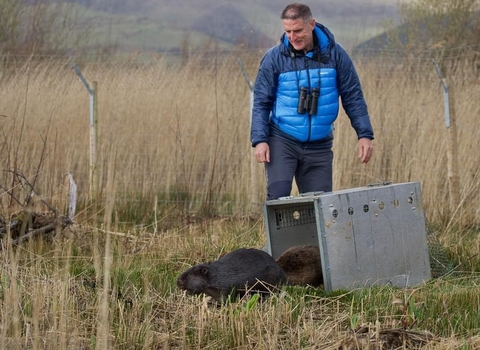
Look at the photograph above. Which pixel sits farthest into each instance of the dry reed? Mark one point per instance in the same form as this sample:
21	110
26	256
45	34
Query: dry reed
182	127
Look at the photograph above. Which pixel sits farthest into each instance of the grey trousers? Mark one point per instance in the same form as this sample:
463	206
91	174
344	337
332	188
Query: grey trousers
311	164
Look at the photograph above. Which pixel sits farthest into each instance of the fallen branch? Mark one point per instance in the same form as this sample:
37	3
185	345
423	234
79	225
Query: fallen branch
43	230
35	219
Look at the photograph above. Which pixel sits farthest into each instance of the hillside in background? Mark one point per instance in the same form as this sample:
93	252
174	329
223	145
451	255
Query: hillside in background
168	25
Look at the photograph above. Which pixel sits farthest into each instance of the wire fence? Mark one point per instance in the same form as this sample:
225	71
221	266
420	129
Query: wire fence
177	125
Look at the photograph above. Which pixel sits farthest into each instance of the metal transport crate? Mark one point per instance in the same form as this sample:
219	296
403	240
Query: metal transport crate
369	235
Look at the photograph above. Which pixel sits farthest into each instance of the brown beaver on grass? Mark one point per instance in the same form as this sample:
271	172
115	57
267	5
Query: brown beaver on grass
245	270
302	265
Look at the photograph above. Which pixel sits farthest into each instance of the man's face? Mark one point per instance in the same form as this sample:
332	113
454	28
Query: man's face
299	33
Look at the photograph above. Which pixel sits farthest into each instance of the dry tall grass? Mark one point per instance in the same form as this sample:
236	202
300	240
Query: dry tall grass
177	133
180	130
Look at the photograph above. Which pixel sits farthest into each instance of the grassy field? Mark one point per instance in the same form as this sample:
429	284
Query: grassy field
176	186
164	26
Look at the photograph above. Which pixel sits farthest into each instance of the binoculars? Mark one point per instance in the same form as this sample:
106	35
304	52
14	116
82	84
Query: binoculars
308	101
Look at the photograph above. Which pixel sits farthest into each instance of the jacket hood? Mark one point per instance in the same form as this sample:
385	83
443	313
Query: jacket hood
324	36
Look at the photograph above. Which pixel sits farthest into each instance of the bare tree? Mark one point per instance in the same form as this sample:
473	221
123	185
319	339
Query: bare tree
436	28
39	27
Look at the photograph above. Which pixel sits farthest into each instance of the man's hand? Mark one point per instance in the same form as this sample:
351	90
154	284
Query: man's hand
365	149
262	152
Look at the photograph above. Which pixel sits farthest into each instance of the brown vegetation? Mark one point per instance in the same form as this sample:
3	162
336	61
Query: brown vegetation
178	131
174	144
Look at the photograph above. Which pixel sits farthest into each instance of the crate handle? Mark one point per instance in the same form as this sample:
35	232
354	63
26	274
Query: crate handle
314	193
376	184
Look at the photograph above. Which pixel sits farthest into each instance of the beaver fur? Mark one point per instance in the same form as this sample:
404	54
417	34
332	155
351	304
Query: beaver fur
245	270
302	265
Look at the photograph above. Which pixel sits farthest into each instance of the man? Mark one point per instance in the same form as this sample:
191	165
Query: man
296	101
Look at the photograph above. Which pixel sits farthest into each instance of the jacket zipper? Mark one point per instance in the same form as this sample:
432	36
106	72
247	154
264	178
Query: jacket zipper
309	92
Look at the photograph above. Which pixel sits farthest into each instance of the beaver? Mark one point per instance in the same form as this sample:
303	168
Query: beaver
241	271
302	265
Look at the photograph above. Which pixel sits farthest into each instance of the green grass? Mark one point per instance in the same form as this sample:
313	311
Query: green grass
133	33
46	279
166	27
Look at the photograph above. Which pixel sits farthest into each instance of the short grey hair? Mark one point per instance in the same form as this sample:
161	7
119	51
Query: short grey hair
297	10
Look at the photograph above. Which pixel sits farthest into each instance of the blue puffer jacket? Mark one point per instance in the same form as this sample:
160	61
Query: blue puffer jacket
284	71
